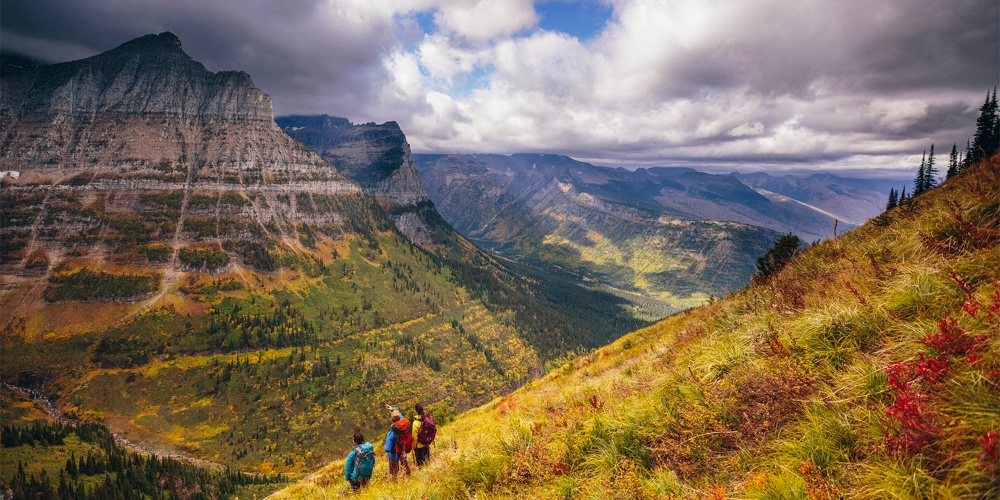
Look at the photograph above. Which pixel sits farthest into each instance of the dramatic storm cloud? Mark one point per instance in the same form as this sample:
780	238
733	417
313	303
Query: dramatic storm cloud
736	84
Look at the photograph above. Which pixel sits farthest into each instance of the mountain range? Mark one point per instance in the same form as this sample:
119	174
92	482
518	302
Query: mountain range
176	266
672	235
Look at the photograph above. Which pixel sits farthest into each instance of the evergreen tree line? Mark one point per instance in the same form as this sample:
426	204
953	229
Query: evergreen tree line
984	144
39	433
127	475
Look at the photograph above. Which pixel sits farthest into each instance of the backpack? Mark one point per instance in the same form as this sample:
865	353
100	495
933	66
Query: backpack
364	462
428	430
404	439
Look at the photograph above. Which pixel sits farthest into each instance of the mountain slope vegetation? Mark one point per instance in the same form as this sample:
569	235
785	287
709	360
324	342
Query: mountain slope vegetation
868	367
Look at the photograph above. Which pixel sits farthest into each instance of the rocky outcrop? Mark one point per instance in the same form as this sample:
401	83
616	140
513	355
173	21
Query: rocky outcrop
379	158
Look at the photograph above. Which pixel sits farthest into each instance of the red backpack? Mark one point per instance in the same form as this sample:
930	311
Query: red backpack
404	437
428	431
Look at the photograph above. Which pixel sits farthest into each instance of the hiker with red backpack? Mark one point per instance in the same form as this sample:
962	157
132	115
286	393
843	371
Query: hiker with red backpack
426	430
398	442
360	463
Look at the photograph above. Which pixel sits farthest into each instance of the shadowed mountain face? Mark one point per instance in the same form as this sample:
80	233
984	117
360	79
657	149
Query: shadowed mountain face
608	224
376	156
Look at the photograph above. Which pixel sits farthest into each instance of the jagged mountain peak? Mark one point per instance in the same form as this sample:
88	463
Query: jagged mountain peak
164	41
149	75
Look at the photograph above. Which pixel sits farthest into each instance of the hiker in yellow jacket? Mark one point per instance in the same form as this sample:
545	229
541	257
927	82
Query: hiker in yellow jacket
424	432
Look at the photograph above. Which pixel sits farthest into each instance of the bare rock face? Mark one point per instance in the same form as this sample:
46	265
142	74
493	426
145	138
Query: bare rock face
379	158
141	148
147	76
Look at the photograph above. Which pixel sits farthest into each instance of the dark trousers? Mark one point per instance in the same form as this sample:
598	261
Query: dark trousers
394	465
356	484
422	455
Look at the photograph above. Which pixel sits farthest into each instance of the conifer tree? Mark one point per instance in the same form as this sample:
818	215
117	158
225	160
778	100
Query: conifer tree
930	171
902	196
918	181
952	162
984	143
893	199
780	254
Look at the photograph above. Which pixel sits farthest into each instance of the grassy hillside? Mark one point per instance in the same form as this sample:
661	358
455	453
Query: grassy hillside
869	367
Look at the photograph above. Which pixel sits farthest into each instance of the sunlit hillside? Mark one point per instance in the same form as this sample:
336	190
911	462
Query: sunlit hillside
869	367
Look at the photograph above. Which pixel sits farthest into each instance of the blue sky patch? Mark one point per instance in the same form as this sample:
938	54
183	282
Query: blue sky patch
582	19
425	20
479	78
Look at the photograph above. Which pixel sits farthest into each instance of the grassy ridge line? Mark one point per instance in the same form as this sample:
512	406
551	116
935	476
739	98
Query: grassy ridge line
787	389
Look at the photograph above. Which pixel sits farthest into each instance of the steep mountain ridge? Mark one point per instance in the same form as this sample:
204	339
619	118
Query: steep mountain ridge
150	75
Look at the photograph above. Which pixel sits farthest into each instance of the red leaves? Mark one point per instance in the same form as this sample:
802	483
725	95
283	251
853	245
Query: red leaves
994	310
952	340
913	383
989	459
971	305
916	427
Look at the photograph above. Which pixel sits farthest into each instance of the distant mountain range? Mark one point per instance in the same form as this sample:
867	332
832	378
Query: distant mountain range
851	200
674	234
806	206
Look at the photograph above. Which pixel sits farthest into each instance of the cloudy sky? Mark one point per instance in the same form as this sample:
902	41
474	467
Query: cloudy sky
715	84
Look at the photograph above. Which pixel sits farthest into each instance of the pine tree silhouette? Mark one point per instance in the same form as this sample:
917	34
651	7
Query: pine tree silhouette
893	199
930	171
918	181
985	142
952	162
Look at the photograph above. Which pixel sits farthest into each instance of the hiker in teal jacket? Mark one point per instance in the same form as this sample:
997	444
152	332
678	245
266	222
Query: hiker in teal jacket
360	462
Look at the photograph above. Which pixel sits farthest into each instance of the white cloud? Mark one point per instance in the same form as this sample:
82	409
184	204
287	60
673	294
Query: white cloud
483	20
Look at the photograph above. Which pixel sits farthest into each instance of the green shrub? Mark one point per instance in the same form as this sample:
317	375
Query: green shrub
207	257
87	284
156	252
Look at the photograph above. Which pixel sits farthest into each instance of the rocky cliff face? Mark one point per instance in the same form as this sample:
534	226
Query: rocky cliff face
379	158
141	147
150	76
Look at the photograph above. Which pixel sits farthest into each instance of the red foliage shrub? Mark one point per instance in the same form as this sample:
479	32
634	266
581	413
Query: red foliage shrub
989	459
952	340
914	427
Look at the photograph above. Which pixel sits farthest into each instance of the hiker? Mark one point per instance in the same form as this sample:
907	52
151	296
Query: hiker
360	463
398	442
425	429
